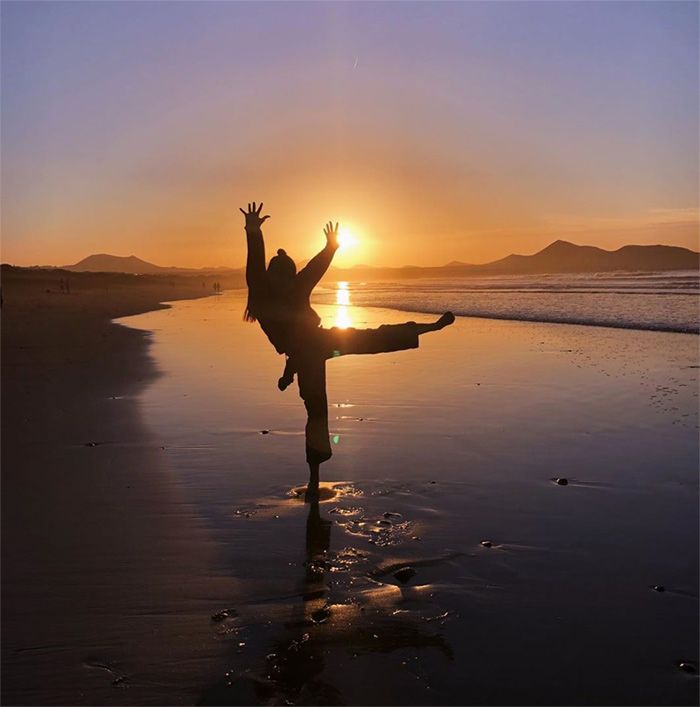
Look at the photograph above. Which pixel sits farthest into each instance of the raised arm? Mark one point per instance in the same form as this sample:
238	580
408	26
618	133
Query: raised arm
315	269
255	264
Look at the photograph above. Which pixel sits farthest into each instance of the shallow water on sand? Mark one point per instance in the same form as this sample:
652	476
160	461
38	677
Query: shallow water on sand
444	565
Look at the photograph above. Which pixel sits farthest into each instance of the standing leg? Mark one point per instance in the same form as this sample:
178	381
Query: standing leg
311	374
312	489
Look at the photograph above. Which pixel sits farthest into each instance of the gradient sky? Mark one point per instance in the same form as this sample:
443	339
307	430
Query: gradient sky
435	131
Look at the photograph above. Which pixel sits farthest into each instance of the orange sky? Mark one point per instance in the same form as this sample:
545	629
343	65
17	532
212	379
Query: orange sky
475	130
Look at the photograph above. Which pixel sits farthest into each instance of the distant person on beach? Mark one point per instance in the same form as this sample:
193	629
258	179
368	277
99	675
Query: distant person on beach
279	300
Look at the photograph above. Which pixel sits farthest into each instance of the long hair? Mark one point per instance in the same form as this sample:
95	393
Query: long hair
248	316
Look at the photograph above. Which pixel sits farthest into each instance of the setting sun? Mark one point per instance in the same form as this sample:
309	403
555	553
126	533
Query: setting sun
346	238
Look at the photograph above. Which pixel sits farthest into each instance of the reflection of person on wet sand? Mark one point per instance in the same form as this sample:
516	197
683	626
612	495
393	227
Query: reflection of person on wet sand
278	299
298	662
332	615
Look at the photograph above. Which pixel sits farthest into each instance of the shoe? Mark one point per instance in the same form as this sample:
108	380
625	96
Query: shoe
446	319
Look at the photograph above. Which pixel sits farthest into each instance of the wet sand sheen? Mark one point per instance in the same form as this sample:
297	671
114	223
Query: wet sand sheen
448	566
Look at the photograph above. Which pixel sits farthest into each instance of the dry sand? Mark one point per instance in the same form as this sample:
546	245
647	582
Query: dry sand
102	558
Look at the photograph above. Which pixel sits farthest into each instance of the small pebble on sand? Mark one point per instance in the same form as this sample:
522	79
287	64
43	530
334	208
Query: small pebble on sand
225	614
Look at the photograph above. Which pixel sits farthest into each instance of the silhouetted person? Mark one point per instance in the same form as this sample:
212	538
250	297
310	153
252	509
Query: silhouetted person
279	300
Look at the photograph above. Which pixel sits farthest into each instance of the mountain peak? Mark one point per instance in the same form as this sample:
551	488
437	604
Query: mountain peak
104	262
559	246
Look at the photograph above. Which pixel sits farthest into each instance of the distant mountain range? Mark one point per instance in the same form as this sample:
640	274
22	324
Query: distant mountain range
558	257
562	256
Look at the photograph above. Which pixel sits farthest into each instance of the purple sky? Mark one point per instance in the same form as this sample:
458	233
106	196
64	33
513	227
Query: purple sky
434	131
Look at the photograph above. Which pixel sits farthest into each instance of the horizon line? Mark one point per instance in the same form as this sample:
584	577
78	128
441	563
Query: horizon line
356	266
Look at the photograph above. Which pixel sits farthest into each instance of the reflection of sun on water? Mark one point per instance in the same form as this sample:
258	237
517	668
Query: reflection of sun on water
342	294
342	299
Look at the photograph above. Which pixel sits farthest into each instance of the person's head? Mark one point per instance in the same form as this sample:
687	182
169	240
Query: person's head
281	272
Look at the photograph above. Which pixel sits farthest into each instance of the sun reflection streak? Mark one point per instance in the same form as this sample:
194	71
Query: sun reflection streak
343	319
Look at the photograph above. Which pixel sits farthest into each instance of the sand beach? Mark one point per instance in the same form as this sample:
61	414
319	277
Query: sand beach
157	550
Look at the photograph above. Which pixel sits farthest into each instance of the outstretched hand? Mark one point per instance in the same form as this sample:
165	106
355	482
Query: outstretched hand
253	220
331	234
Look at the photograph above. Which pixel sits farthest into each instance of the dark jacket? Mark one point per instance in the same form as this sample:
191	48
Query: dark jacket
283	316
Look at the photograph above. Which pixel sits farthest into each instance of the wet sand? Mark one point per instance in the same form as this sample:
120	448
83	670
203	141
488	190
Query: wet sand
446	565
175	562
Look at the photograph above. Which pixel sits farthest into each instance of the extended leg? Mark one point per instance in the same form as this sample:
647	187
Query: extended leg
386	338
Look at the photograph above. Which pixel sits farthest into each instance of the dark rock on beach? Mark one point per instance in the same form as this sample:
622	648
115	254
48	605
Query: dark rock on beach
404	574
321	615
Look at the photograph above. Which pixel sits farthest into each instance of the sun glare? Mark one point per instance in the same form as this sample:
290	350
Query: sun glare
346	238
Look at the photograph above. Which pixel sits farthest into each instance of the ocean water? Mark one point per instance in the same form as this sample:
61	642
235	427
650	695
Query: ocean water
660	301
